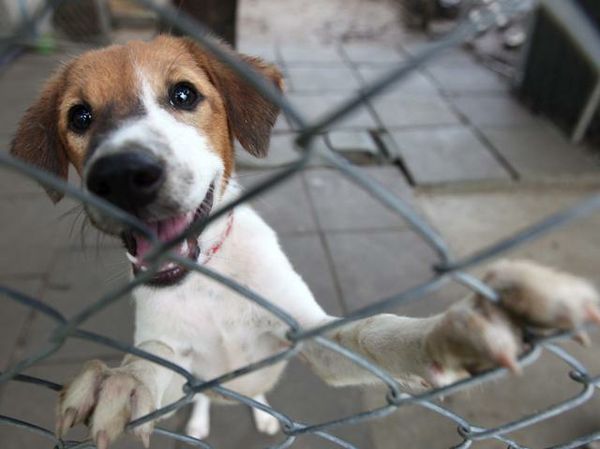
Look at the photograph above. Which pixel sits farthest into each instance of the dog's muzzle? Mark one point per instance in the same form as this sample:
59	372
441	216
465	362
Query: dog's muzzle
132	181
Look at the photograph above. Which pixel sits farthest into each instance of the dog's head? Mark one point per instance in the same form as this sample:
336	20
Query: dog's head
149	126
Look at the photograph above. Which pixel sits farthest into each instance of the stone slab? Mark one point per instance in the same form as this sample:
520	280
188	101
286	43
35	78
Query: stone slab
357	146
375	265
446	154
472	220
264	51
342	205
498	111
286	207
322	79
14	316
539	151
282	152
76	280
415	83
309	54
468	78
414	110
372	54
314	106
310	260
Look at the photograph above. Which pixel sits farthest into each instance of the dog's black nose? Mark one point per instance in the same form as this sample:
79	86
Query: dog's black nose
128	180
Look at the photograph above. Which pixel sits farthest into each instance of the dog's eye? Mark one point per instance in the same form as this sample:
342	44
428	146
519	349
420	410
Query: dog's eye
80	118
184	96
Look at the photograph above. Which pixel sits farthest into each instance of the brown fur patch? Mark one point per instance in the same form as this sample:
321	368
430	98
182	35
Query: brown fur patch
107	80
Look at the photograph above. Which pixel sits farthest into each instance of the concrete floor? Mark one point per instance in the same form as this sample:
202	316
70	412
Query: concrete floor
477	167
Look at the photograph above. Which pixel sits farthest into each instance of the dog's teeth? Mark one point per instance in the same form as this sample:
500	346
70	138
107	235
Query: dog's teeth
143	268
170	265
132	259
185	247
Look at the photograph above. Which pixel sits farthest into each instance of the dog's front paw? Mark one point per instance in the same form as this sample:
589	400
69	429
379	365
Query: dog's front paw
108	399
476	334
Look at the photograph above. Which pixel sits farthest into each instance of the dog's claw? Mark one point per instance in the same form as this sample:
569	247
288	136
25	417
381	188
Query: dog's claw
144	436
66	421
593	314
507	361
476	335
582	338
101	440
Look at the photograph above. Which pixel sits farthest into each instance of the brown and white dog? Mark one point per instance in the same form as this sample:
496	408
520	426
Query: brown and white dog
149	126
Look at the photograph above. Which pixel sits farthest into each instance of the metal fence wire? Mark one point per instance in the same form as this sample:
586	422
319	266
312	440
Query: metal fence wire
448	268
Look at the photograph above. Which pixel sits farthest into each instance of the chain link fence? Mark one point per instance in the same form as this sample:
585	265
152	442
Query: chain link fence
448	269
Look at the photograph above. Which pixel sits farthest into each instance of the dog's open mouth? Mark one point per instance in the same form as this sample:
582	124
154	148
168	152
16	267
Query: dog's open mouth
138	246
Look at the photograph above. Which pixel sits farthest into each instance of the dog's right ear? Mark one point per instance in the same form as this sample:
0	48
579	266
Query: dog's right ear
37	140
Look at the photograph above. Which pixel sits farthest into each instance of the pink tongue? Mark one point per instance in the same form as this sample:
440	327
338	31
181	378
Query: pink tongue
165	230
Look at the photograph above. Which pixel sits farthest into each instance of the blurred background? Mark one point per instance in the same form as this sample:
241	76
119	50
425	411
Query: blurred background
482	141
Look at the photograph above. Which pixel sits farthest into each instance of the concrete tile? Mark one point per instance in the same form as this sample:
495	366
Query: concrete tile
414	110
282	152
281	124
454	57
372	54
305	397
76	280
14	315
542	151
307	255
413	43
28	232
286	207
412	425
36	226
357	146
37	405
5	140
471	78
314	105
505	211
445	154
322	79
300	395
20	85
342	205
494	111
373	265
13	183
32	69
470	221
303	54
9	117
518	396
264	51
414	84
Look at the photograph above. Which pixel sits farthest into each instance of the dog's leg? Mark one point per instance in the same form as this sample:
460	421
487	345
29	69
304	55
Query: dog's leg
473	335
265	422
198	425
111	398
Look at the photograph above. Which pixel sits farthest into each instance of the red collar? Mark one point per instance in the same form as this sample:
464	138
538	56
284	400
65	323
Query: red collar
214	249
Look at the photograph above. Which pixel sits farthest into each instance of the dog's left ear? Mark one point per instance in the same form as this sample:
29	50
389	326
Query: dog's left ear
37	140
251	117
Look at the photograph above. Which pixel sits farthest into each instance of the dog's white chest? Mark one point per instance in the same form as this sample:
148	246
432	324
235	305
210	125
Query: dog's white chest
213	328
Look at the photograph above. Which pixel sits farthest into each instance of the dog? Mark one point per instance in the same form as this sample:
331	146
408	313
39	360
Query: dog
150	127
